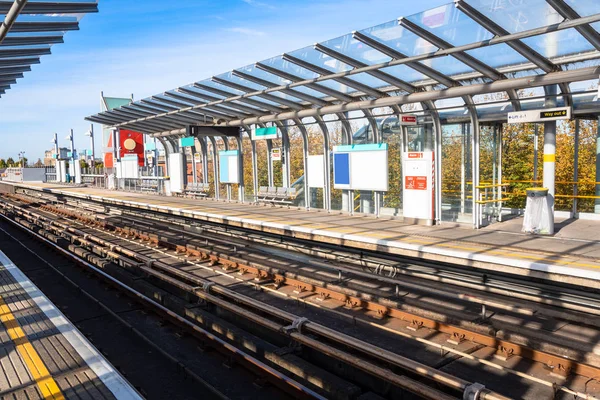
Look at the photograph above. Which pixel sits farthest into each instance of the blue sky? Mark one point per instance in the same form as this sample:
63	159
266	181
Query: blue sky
147	47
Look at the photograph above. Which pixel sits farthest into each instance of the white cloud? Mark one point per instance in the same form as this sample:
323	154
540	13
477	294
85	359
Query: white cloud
246	31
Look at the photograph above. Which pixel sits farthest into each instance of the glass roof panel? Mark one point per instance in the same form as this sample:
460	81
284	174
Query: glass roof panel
218	86
277	80
498	55
560	43
200	91
447	65
263	100
585	7
519	15
310	55
451	24
351	47
402	40
229	76
583	86
264	75
303	73
369	80
405	73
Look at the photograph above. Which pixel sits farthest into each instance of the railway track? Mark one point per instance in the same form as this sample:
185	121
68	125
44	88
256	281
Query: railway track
337	284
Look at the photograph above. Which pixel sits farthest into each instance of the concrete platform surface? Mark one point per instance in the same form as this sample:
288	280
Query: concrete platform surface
571	255
42	355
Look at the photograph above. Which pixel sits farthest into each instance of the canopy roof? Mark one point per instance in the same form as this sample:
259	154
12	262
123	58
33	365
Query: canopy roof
29	30
460	50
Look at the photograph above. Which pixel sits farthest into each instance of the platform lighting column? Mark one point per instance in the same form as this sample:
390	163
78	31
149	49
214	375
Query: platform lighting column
93	161
575	169
270	163
55	141
550	150
597	200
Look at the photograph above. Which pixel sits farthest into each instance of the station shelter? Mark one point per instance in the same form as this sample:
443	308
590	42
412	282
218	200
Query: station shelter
445	115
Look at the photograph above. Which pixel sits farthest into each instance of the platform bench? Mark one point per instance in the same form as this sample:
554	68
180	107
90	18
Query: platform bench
275	195
197	189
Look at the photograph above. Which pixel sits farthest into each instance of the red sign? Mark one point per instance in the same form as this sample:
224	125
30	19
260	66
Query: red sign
408	119
130	143
415	155
415	183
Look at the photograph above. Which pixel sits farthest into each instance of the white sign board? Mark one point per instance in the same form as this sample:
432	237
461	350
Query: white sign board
361	167
540	115
315	168
176	172
228	166
197	157
417	185
276	154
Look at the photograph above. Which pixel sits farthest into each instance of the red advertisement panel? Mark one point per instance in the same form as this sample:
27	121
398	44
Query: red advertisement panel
132	143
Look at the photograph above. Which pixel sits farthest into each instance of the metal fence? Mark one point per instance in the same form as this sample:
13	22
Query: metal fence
147	184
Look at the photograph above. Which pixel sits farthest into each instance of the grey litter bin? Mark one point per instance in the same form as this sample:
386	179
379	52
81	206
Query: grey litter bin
539	218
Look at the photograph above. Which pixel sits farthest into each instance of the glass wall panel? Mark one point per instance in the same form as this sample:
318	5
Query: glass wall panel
392	134
522	161
490	190
457	186
589	185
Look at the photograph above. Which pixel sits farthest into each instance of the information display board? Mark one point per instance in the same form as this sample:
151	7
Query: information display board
540	115
228	166
361	167
186	141
269	132
418	186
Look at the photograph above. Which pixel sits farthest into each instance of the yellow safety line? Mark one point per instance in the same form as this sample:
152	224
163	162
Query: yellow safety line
32	359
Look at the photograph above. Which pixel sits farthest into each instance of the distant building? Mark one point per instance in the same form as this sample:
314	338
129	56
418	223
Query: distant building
49	160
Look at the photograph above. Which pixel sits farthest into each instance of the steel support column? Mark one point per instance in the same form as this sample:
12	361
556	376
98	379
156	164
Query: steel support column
270	176
225	140
304	134
215	166
597	200
575	169
241	184
326	163
376	196
550	151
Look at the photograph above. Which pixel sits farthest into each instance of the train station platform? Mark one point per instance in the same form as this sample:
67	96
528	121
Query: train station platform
42	355
572	255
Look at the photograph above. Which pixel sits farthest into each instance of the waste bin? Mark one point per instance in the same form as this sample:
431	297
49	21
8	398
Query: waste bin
539	217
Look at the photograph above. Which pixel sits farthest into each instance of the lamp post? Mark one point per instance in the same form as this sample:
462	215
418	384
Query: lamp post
90	133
